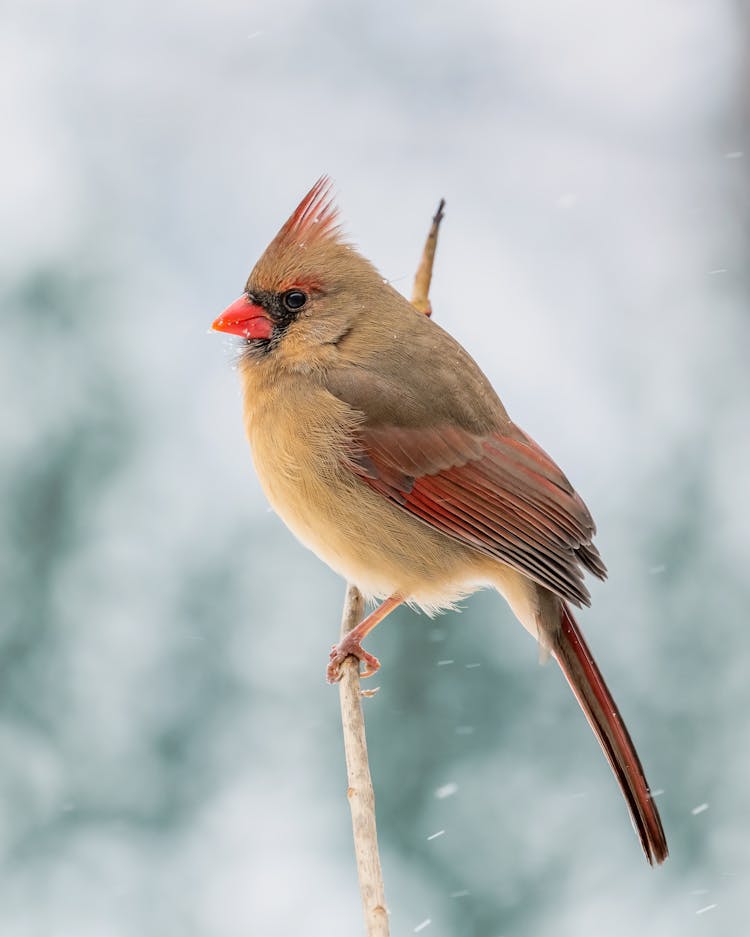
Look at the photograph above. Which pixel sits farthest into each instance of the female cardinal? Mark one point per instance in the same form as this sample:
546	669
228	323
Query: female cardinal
384	448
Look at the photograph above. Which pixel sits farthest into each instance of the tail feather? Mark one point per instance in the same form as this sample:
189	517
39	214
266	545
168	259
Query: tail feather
586	681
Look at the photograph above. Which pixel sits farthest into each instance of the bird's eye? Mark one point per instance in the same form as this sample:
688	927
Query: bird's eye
294	299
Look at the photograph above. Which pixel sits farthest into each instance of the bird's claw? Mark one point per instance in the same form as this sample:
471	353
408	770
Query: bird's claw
347	648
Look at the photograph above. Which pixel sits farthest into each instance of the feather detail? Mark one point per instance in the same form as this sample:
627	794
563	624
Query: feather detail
309	244
586	681
500	494
316	218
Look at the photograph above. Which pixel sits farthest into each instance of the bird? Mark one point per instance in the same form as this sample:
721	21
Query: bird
384	448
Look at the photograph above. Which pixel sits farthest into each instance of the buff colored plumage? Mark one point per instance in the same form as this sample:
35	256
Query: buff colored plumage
384	448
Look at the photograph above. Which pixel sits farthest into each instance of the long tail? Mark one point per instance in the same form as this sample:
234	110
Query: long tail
581	672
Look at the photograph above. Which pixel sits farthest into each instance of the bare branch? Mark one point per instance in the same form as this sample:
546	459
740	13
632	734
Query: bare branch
360	792
420	297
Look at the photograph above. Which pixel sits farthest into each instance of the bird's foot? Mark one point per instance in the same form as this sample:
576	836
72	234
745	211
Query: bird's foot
350	647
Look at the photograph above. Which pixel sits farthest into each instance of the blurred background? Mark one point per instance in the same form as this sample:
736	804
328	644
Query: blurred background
171	760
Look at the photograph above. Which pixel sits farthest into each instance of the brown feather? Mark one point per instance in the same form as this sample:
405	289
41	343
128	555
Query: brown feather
499	495
579	667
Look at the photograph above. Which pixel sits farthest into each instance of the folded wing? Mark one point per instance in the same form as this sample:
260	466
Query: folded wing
498	492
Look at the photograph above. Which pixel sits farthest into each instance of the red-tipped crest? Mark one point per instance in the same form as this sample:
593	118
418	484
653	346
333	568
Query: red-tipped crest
314	219
302	250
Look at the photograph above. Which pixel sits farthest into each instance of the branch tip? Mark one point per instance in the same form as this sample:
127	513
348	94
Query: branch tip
359	791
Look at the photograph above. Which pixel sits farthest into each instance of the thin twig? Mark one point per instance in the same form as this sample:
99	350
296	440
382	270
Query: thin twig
360	792
420	297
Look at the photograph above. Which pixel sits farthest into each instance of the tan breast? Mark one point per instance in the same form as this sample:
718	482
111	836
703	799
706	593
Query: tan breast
299	434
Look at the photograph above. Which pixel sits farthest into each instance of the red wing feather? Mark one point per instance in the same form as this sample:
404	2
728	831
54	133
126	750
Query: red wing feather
500	494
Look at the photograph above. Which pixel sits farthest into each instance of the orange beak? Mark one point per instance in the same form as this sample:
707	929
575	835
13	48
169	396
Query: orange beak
244	318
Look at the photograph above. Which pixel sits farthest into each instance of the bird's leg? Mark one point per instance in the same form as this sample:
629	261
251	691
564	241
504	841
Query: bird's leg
351	643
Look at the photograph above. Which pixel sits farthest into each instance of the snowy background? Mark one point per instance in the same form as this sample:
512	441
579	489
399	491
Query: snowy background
171	757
